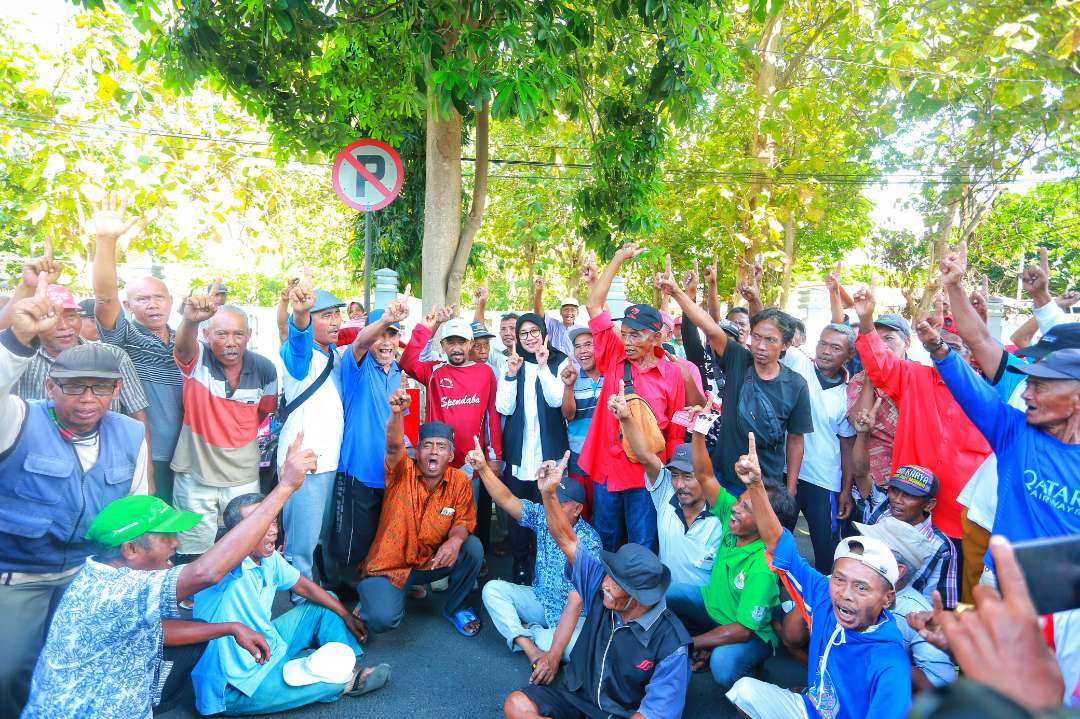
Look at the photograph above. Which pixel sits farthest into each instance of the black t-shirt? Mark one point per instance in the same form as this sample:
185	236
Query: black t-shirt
790	399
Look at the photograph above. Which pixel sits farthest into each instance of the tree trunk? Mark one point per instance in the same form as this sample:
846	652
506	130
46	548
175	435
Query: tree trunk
789	256
476	210
936	249
442	204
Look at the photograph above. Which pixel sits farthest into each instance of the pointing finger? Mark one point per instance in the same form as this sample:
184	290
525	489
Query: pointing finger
295	445
476	441
215	289
1009	575
1044	261
408	291
751	445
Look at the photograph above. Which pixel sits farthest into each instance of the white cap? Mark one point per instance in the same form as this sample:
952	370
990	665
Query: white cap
333	663
872	552
457	327
569	301
902	538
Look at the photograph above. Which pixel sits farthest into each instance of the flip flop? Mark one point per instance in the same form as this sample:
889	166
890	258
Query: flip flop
418	591
465	616
377	679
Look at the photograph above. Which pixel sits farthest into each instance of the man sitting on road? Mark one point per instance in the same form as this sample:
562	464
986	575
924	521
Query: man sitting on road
858	665
542	620
424	531
641	672
228	680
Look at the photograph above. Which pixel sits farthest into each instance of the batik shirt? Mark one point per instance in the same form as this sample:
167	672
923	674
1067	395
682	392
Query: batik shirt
102	657
550	585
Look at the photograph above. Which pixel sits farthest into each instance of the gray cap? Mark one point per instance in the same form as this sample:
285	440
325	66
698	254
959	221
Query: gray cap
681	459
325	301
575	332
92	360
894	322
639	572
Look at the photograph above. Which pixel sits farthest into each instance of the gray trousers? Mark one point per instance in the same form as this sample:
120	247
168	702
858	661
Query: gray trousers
382	605
25	612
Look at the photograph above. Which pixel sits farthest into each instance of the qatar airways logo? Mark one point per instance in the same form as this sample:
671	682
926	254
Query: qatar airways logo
447	403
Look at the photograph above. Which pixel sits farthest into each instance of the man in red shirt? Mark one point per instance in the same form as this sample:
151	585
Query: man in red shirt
622	508
460	393
931	430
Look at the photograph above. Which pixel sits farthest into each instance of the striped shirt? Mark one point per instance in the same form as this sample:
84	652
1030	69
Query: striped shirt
218	445
131	399
586	395
161	380
939	572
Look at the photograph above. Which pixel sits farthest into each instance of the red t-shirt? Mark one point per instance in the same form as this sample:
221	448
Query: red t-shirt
931	429
463	397
602	456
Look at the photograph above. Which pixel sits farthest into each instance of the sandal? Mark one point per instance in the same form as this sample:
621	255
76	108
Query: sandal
462	617
361	684
418	591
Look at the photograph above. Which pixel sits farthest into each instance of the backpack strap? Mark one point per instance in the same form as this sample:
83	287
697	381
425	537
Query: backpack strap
627	378
311	389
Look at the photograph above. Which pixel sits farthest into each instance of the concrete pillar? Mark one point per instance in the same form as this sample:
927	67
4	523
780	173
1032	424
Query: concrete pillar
616	298
386	288
993	316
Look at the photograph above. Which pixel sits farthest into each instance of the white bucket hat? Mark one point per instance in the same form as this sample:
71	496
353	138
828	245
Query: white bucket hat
333	663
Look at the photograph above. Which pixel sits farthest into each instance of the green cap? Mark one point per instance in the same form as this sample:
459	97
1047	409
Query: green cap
129	517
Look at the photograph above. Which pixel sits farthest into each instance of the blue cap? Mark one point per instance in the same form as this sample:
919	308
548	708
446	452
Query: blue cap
479	331
570	490
1062	364
377	315
894	322
325	301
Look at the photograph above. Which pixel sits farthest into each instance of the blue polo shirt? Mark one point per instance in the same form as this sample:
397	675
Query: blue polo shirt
365	391
244	595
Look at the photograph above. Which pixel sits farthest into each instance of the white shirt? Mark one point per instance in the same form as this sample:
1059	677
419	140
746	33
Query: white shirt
828	408
532	455
688	552
321	416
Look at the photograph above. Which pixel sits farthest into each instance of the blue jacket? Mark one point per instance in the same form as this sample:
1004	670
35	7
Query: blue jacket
46	500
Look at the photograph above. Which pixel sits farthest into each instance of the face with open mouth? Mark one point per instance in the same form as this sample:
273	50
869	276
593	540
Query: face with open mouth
741	520
228	337
433	457
152	551
325	326
1051	403
858	594
385	349
150	302
64	334
530	336
687	488
268	543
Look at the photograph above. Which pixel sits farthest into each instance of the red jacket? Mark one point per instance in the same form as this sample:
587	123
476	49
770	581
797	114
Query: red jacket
463	397
931	430
602	456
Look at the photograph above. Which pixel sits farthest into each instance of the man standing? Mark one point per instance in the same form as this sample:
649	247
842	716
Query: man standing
579	403
147	338
313	400
621	504
425	529
630	659
460	392
368	377
61	461
557	327
228	391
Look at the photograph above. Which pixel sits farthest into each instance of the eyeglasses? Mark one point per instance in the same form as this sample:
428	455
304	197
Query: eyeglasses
529	334
76	390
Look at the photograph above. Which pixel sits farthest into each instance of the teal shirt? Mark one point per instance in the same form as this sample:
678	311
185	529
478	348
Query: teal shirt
244	595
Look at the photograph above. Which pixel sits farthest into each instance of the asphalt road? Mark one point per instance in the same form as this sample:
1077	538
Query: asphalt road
436	672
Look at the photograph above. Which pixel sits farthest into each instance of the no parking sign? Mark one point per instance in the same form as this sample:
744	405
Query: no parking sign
367	175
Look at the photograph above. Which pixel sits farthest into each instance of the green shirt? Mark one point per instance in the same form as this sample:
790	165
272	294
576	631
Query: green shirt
741	588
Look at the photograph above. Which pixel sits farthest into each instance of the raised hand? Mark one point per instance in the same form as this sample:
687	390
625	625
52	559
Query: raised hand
446	314
690	281
1036	279
863	421
399	401
980	298
928	332
569	375
475	457
542	355
953	265
108	221
34	315
513	363
617	406
302	297
1068	299
298	464
747	467
665	281
865	299
628	251
40	268
286	292
481	293
588	270
538	283
202	307
708	273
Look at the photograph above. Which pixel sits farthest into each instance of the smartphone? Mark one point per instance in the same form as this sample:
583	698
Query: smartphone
1052	570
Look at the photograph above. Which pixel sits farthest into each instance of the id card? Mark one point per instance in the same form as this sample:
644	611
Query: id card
682	418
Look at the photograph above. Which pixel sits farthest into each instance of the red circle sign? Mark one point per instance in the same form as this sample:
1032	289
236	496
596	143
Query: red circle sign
367	174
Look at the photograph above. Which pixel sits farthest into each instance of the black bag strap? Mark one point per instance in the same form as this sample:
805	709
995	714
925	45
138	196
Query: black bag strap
627	378
312	389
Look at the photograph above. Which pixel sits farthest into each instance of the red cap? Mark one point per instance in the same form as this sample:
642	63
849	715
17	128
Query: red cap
60	295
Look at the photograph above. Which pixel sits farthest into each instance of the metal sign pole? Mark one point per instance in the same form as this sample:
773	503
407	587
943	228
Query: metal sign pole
367	259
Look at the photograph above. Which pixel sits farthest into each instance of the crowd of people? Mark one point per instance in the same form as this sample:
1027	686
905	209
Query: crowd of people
645	473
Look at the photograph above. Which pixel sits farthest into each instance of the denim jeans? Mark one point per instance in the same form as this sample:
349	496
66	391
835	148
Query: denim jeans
728	662
303	628
306	520
624	516
516	612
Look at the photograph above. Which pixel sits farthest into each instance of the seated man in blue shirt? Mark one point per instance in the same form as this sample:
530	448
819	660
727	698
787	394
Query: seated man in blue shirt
542	620
858	664
231	681
641	672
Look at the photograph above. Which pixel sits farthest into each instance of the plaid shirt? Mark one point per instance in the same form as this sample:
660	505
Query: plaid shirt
131	399
939	572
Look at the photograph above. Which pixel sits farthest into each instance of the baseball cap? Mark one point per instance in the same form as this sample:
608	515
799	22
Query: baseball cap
458	327
914	480
129	517
1062	364
375	316
325	301
901	537
92	359
333	663
643	317
894	322
86	307
60	295
570	490
479	331
1061	337
569	301
681	459
872	552
576	332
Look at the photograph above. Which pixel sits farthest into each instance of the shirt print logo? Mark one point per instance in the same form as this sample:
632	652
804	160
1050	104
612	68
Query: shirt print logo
447	403
446	383
740	580
1057	494
645	665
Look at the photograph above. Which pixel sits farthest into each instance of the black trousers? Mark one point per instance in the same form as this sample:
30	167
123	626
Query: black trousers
818	505
356	519
183	660
522	540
